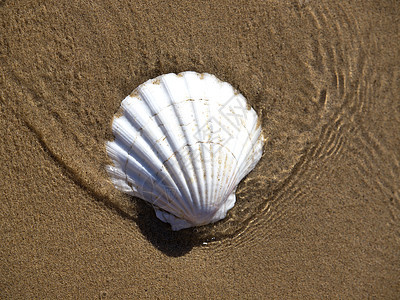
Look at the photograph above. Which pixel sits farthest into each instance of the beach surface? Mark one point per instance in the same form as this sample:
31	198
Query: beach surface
319	217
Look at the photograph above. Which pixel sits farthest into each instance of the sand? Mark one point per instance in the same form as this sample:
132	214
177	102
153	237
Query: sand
319	217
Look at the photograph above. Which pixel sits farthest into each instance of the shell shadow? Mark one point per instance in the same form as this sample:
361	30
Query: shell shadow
160	234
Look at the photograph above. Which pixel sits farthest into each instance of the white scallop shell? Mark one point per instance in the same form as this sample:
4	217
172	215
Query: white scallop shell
183	143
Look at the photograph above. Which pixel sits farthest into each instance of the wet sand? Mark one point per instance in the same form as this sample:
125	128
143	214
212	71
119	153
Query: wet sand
319	217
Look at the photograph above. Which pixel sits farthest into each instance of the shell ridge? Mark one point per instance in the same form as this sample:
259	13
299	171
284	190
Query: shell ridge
224	193
168	133
154	192
130	178
211	128
227	151
209	175
148	159
167	178
230	177
182	162
236	165
215	142
219	132
258	152
195	195
161	122
217	145
119	181
242	165
253	150
171	180
198	167
249	135
230	127
202	148
134	170
218	191
246	149
229	124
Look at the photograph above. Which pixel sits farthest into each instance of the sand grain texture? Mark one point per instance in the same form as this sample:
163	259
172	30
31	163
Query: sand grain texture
319	217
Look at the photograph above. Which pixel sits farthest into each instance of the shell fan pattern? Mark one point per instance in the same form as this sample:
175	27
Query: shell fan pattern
183	142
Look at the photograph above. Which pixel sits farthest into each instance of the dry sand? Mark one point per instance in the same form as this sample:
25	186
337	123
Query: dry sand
319	217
